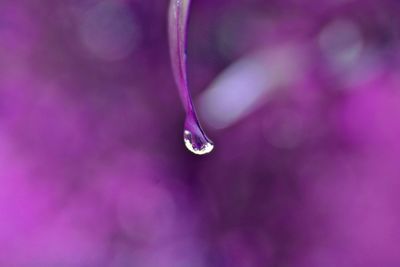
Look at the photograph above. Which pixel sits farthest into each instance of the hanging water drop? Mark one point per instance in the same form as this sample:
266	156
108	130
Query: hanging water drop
195	143
194	137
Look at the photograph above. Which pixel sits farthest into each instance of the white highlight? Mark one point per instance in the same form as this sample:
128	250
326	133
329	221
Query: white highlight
239	89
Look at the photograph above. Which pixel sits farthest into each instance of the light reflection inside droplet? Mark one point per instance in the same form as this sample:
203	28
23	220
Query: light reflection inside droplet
195	143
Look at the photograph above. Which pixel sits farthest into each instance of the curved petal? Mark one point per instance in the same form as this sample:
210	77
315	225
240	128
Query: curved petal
194	136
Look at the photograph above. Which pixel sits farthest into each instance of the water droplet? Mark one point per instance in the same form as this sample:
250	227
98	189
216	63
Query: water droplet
198	144
194	137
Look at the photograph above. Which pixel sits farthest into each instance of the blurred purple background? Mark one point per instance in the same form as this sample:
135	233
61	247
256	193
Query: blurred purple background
302	99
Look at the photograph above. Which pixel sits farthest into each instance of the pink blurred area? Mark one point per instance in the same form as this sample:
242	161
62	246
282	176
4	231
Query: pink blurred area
300	97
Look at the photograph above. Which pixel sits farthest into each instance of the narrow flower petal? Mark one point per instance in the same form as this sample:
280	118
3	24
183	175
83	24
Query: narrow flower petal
178	17
194	137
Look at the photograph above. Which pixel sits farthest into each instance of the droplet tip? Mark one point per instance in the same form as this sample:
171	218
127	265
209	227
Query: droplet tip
197	145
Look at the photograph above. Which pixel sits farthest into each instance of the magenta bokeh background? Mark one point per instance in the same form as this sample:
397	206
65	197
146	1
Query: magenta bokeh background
302	99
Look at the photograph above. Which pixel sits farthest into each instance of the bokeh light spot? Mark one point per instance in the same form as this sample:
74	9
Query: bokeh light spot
341	43
109	30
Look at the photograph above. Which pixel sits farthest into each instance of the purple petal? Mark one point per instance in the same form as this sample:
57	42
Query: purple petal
194	136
